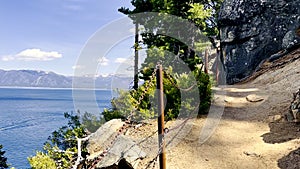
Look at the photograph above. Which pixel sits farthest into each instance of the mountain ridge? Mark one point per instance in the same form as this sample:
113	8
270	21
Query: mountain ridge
49	79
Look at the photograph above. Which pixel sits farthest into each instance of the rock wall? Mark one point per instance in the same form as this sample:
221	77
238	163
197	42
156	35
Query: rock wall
253	30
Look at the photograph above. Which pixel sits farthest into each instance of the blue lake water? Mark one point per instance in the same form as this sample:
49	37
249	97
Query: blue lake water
29	116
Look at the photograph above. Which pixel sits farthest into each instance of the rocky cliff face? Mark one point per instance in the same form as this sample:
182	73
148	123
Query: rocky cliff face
253	30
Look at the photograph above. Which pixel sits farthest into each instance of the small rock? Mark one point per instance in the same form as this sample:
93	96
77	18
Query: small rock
289	117
254	98
275	118
251	154
228	99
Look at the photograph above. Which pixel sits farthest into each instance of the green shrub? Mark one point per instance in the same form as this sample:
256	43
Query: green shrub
41	161
61	147
126	102
91	122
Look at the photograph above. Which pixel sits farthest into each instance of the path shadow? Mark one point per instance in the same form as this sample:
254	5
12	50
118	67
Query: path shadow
290	161
282	132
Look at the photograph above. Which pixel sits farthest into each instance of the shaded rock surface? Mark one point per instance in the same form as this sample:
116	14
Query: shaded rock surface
124	153
252	31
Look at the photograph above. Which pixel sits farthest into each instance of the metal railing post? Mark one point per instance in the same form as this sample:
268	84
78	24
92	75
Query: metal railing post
206	61
161	119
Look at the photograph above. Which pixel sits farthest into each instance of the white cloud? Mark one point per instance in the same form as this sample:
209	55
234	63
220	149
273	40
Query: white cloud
120	60
103	61
33	55
77	67
7	58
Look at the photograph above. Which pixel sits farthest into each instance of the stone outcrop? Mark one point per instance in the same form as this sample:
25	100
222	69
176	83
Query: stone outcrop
124	153
252	31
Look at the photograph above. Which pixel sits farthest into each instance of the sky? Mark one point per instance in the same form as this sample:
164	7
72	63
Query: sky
50	35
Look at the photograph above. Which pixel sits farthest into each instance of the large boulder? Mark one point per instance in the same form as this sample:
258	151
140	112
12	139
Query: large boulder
123	153
102	137
252	31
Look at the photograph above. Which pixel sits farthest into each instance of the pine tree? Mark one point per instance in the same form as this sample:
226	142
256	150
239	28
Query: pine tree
201	13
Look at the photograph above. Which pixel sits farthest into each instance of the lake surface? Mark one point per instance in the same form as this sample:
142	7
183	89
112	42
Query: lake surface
29	116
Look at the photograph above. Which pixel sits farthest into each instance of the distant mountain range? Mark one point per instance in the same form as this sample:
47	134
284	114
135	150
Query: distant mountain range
34	78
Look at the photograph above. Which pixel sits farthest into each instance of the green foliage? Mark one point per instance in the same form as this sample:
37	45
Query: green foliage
203	13
204	85
91	122
65	137
41	161
61	146
127	101
3	159
201	46
177	99
198	14
120	107
181	77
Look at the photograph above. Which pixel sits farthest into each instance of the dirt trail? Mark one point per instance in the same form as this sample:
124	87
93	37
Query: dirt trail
251	135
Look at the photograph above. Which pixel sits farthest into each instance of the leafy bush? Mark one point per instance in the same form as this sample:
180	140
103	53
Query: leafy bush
60	151
127	101
91	122
42	161
123	105
61	146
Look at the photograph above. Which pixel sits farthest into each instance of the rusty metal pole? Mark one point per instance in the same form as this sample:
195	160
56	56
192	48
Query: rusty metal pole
206	61
161	118
217	66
